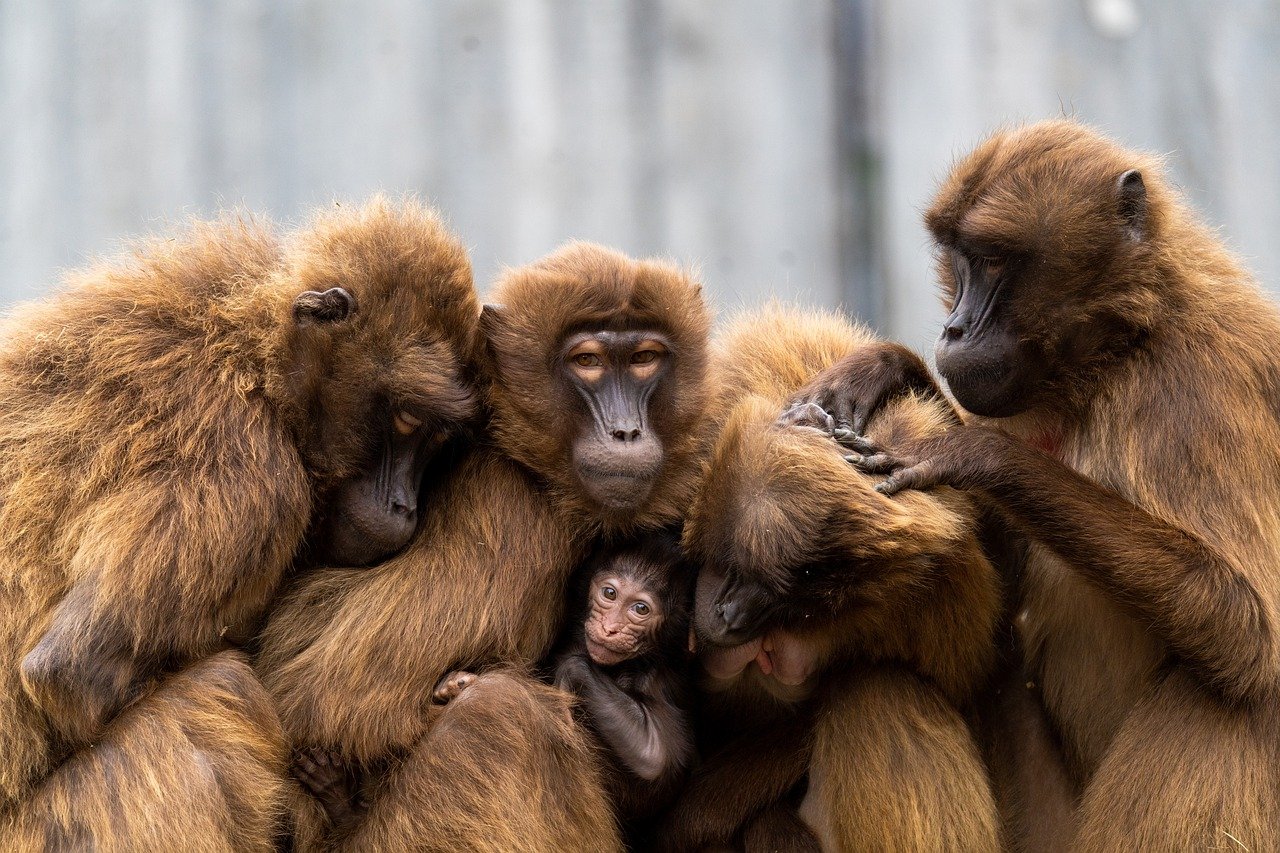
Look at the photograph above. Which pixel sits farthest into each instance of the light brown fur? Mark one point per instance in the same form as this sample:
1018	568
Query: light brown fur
167	432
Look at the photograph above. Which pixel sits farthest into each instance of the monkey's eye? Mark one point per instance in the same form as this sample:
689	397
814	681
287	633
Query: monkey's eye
644	356
993	264
640	608
405	423
588	359
609	593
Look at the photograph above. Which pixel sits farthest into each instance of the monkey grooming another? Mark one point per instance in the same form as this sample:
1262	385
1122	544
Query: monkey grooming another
625	655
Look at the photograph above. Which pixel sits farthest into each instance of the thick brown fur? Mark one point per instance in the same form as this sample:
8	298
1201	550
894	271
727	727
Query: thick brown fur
351	656
167	430
901	627
1151	600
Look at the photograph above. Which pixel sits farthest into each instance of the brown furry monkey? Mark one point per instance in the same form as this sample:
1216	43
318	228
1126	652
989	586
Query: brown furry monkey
172	424
1120	373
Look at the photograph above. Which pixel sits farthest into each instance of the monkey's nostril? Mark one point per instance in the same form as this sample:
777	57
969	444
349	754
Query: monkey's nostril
626	435
398	508
953	332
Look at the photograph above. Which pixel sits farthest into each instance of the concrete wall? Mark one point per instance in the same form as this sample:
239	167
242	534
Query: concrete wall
785	146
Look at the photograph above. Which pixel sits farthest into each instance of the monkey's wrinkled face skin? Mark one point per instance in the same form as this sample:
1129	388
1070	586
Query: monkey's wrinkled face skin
623	621
375	514
616	453
990	368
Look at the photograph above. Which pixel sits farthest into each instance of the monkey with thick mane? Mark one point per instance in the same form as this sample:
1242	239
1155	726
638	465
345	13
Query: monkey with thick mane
594	378
1120	374
176	427
843	636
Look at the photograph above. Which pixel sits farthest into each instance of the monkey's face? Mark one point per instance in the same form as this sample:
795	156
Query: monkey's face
731	608
1043	242
376	371
624	618
616	453
991	367
382	408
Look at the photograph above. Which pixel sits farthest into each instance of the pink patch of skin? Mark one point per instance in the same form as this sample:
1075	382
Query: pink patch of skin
779	655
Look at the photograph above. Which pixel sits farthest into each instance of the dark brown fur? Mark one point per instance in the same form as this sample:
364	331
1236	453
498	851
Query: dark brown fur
352	656
167	432
899	611
1144	467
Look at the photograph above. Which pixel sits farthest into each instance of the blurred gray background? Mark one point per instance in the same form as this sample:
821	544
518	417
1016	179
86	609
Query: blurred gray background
785	146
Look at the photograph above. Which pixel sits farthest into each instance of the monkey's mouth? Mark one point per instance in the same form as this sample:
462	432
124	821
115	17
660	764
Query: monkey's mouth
605	656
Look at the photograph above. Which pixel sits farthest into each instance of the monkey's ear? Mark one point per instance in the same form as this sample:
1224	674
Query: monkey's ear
1132	193
332	306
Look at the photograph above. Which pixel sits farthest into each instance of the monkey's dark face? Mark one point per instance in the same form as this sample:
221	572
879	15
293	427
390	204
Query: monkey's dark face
617	454
1043	238
992	368
624	618
375	513
731	609
381	403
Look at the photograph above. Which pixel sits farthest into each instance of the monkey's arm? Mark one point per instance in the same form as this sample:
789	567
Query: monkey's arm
648	735
162	571
855	388
1204	604
748	775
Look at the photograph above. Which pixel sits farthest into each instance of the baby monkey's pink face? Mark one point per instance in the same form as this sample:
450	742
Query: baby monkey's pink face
624	618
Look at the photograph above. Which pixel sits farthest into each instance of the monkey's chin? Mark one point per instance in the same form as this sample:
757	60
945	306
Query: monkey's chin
604	656
616	491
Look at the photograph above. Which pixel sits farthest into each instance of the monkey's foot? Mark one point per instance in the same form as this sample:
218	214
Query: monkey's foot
327	777
448	688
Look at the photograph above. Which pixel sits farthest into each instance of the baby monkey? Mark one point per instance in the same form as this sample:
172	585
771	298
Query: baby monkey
625	655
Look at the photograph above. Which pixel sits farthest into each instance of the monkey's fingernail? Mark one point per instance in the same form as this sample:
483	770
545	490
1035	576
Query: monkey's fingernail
883	488
853	459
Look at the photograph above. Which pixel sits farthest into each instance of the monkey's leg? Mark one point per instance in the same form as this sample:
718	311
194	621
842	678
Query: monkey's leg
502	768
1035	792
1187	772
196	765
895	768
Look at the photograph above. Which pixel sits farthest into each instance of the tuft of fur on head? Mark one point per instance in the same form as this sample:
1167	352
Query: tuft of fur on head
412	336
585	286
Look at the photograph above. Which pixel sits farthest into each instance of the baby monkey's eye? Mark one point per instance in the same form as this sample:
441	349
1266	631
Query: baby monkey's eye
640	608
587	359
609	593
406	423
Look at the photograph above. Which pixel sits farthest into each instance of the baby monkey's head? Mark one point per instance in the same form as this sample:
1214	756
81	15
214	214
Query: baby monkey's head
637	601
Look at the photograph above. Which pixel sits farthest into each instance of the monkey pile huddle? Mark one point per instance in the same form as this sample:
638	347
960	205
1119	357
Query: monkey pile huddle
304	548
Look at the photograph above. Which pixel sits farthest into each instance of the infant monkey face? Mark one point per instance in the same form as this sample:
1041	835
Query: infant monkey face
624	618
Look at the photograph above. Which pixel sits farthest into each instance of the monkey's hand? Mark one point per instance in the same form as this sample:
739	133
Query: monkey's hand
448	688
81	673
963	457
855	388
572	672
332	782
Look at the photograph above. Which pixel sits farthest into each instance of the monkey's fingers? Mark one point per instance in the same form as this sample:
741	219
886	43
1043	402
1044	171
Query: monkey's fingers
862	412
844	411
448	688
806	414
859	444
876	463
920	476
